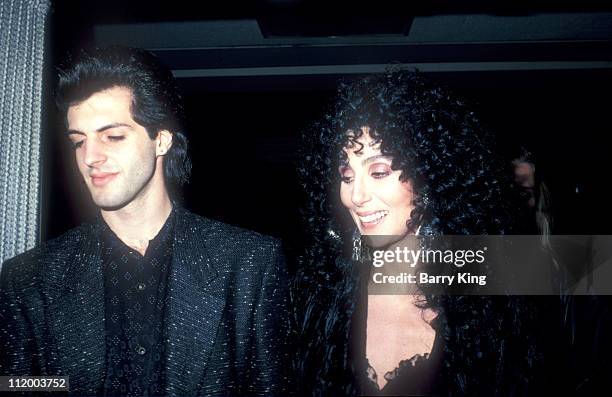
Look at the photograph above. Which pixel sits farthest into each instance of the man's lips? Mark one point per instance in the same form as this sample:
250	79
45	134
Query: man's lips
102	178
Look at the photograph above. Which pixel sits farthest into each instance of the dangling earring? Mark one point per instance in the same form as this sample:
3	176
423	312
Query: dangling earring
356	256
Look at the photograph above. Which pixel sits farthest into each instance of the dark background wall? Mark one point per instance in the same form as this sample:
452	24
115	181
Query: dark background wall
249	95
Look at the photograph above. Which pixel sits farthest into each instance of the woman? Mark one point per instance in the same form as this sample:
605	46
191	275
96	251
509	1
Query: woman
396	156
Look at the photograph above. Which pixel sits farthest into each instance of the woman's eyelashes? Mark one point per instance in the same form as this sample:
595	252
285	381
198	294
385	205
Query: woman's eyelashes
379	171
346	174
376	171
380	174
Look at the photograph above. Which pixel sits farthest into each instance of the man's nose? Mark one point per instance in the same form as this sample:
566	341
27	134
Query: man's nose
361	192
93	153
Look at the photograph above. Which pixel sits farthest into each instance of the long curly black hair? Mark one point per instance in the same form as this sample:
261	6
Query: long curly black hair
460	187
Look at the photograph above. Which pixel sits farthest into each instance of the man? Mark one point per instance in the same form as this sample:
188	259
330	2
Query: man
151	299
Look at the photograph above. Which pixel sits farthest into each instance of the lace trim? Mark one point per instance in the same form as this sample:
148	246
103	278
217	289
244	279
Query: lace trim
412	362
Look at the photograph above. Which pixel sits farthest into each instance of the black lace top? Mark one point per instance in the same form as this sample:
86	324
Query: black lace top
414	376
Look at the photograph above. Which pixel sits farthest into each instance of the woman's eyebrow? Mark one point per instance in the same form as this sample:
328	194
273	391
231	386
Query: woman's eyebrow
372	159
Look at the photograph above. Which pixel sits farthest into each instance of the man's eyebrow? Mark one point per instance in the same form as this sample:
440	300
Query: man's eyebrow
372	159
101	129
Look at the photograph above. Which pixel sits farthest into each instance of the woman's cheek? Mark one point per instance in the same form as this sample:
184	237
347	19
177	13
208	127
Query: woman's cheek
345	195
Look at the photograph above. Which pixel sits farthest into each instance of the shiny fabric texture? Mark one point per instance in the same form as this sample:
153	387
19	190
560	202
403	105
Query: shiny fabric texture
226	320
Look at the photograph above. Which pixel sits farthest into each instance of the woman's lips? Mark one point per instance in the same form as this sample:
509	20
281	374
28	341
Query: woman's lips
370	220
102	179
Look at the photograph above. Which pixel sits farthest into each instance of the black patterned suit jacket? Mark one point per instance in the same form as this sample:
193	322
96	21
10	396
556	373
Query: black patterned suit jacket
225	317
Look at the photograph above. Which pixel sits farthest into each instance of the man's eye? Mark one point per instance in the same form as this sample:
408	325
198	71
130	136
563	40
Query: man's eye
77	145
115	138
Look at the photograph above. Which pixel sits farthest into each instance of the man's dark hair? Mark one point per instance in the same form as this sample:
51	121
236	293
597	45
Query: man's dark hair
157	103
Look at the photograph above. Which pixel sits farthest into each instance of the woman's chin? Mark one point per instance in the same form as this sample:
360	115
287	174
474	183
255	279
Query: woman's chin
379	241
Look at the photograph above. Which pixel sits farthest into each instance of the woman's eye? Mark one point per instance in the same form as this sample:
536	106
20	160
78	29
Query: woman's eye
77	145
379	171
346	174
380	174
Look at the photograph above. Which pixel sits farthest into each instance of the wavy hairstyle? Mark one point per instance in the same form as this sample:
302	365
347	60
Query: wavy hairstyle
157	103
461	188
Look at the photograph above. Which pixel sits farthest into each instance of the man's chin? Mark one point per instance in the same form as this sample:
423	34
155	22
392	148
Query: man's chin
109	205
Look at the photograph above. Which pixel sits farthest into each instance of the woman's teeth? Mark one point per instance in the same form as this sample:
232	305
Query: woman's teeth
374	217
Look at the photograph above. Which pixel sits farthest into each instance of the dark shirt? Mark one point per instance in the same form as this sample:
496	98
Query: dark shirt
135	295
413	376
225	320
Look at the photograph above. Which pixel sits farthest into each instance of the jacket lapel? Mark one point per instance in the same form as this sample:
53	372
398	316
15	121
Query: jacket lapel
194	306
77	315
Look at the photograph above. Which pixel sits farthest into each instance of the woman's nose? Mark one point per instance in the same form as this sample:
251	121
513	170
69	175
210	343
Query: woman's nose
361	192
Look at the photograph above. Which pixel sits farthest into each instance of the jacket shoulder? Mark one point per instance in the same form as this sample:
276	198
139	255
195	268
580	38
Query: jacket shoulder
38	259
227	235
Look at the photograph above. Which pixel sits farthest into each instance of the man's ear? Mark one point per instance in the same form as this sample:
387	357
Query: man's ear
163	142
